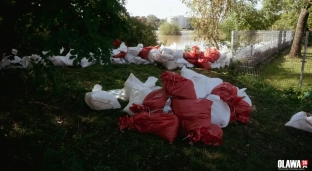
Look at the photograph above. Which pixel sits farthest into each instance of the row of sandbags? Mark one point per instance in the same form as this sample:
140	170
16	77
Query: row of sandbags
200	108
14	61
170	57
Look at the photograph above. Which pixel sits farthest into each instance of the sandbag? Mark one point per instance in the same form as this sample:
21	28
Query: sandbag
182	62
301	120
156	100
144	52
240	110
130	83
170	64
178	54
212	54
220	111
212	136
129	57
137	96
101	100
163	125
203	85
193	114
178	86
243	94
134	50
151	53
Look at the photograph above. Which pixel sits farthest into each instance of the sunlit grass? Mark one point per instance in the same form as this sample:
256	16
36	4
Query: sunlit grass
284	72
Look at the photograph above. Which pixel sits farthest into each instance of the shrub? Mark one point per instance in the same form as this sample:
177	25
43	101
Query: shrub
170	29
138	32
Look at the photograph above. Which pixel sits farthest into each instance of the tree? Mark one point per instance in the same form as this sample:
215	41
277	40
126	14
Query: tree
32	26
153	21
207	15
300	30
169	28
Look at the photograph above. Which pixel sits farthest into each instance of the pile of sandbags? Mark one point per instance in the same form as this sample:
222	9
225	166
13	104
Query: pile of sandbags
194	105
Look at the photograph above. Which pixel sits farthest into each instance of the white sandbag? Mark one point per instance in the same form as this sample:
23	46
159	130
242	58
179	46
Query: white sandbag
140	45
117	60
115	52
182	62
156	88
85	62
242	93
118	93
151	81
130	83
301	120
139	60
203	85
220	111
122	48
137	96
135	50
178	54
129	57
167	51
151	54
61	61
16	60
170	64
101	100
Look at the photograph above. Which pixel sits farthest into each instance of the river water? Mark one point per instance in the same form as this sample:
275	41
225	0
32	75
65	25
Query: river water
187	38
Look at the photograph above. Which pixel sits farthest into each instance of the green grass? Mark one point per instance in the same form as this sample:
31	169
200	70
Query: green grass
47	131
284	72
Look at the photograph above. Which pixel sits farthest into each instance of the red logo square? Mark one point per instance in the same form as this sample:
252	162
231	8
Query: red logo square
304	163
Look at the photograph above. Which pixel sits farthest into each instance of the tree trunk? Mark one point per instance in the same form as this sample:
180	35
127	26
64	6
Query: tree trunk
215	43
295	50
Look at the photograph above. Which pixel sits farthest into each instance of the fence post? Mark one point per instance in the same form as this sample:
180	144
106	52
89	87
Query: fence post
232	47
303	58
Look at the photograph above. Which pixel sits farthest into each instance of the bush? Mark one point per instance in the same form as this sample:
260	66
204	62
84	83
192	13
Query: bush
138	32
170	29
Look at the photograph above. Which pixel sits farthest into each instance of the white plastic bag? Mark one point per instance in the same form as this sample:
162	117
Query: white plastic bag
301	120
129	57
134	50
220	111
101	100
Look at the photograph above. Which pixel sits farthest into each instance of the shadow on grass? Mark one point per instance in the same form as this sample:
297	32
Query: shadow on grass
60	132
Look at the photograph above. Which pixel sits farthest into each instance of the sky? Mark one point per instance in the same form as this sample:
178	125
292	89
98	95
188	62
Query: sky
160	8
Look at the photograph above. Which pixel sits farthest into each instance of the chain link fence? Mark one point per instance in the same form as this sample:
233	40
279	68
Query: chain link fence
262	55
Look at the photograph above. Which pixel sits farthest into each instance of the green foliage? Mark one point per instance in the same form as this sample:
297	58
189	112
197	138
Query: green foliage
167	28
32	26
137	32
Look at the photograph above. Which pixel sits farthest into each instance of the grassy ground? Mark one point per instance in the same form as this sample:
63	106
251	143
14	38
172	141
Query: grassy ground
284	72
46	131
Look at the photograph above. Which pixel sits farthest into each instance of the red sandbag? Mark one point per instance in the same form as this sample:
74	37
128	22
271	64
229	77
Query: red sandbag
178	86
212	54
192	113
156	100
226	91
163	125
120	55
203	63
242	111
212	136
117	42
144	52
